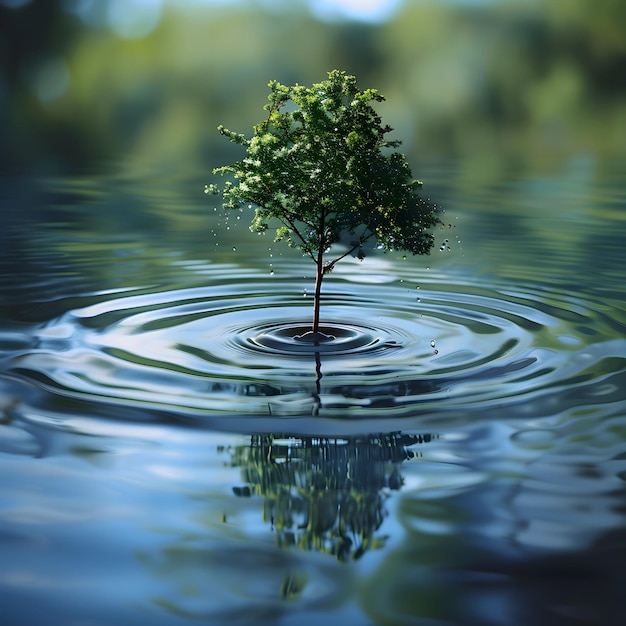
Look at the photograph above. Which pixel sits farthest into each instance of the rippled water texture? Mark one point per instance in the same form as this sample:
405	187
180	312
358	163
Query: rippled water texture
235	349
175	449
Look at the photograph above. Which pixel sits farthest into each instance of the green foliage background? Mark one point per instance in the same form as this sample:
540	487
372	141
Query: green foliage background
500	81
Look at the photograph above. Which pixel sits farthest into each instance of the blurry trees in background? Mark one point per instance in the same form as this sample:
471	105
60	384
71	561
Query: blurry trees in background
34	41
90	82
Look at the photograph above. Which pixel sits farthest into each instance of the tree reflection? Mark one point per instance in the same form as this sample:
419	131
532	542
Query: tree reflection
322	493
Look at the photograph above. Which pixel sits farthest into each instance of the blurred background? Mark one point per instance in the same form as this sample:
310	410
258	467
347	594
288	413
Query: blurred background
90	83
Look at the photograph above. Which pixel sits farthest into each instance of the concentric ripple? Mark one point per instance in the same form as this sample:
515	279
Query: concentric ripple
298	338
384	350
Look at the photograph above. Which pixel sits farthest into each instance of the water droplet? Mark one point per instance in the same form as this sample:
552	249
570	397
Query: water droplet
271	272
234	249
435	351
418	300
305	294
432	343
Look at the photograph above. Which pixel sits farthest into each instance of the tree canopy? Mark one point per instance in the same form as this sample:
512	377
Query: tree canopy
321	170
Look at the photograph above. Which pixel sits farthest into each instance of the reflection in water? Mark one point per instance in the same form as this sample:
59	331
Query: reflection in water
325	494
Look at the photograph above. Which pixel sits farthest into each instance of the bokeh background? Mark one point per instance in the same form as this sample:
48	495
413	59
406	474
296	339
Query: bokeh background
91	83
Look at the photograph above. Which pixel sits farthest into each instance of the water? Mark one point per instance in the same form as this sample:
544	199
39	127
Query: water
171	454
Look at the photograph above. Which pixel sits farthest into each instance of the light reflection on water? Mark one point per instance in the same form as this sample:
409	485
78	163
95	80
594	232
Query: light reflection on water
170	454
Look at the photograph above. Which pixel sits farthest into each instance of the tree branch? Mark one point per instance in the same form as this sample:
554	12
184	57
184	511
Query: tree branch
291	224
356	246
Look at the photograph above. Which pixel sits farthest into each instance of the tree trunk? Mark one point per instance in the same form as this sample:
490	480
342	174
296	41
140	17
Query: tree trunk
319	277
319	274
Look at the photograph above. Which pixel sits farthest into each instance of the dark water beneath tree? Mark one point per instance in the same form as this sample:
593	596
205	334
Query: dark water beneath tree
457	455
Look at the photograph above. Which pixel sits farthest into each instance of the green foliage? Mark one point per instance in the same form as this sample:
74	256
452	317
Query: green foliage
321	166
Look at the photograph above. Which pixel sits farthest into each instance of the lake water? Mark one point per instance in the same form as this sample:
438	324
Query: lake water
457	456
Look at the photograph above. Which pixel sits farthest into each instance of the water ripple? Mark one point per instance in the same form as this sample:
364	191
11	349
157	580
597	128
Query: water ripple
242	349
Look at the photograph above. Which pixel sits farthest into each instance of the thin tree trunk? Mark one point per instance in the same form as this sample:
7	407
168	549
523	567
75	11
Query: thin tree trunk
319	277
319	274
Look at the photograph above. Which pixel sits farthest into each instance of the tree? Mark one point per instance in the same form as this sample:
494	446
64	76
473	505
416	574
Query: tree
320	166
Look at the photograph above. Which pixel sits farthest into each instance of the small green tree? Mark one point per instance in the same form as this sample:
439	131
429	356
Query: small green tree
320	167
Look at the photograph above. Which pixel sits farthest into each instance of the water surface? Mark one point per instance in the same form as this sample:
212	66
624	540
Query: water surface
171	455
